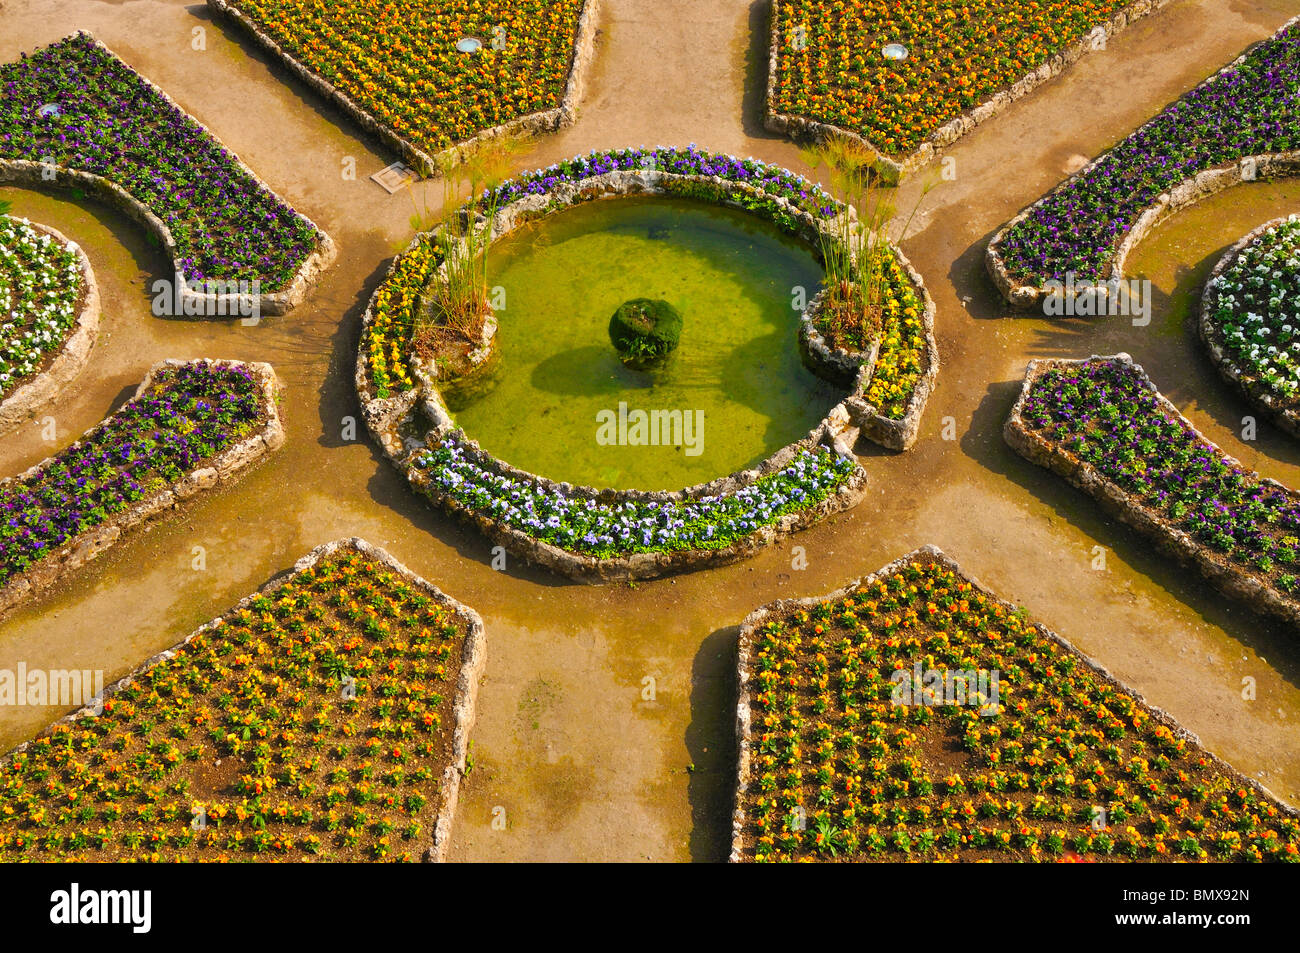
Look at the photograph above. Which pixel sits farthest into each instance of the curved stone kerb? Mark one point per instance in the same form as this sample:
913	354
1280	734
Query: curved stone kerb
1241	379
26	400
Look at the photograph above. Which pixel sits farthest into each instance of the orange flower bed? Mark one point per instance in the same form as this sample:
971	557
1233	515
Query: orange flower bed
915	716
398	60
314	720
831	67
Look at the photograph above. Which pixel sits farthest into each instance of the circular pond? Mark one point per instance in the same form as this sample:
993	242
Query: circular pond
730	394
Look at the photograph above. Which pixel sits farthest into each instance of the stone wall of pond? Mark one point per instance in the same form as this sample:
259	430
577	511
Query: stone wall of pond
34	395
930	554
893	170
1236	583
547	120
221	470
410	422
473	660
1244	381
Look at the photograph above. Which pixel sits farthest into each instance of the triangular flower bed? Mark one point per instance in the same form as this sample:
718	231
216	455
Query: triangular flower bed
326	716
1027	751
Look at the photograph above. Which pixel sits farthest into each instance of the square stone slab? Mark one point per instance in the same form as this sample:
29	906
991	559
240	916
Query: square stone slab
393	177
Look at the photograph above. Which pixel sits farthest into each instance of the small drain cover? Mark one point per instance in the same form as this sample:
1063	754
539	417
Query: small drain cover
469	44
393	177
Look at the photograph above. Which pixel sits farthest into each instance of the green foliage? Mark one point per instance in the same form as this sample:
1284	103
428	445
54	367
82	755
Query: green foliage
645	329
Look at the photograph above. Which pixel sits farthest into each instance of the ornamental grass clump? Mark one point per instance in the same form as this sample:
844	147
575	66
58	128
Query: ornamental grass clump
449	324
854	250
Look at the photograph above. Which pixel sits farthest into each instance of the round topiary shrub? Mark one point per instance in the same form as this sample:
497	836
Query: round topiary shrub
645	330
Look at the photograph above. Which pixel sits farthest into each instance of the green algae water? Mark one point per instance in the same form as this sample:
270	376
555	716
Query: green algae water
565	407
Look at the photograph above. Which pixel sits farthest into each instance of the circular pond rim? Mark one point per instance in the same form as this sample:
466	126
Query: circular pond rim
831	373
391	420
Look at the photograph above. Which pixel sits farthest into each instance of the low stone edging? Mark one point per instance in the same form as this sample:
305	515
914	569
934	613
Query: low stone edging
1116	502
1243	381
393	423
894	170
1188	192
930	554
224	468
547	120
474	658
36	175
74	354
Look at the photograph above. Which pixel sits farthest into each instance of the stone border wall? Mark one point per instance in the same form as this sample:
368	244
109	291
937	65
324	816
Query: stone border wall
474	657
387	418
893	170
1115	501
30	174
1188	192
934	555
547	120
1256	392
222	469
21	405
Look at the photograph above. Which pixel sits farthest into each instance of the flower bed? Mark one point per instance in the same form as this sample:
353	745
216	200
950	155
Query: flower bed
326	716
1249	321
841	758
49	316
828	75
1241	123
394	67
74	109
190	426
771	181
582	534
41	287
1102	425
